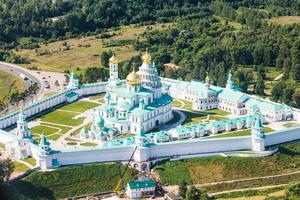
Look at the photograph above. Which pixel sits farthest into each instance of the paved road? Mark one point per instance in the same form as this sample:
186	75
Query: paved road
16	70
39	77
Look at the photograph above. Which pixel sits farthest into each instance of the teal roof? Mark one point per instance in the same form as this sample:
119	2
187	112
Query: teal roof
265	105
141	184
44	141
100	121
71	94
232	95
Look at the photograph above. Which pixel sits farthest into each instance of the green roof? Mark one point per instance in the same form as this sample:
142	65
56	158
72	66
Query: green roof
232	95
141	184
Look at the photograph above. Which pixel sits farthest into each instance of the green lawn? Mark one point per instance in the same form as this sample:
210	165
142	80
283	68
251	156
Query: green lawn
62	117
20	167
239	133
37	130
211	169
69	181
97	96
176	103
289	125
87	144
79	106
54	137
30	160
9	84
217	112
197	117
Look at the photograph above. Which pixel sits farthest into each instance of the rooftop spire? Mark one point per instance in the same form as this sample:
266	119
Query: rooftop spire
113	59
146	57
229	83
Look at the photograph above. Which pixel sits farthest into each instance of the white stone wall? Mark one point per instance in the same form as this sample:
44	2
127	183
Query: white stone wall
50	102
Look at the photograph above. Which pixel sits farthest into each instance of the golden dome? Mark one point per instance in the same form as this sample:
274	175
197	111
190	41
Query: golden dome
133	78
146	58
113	59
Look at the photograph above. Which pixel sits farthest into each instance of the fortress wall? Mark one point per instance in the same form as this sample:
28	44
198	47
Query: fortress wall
6	137
50	102
200	146
282	136
95	155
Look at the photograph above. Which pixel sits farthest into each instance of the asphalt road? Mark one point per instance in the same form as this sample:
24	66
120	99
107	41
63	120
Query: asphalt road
42	78
19	71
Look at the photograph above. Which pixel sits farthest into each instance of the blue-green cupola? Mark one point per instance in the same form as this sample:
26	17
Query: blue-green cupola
73	82
258	128
100	121
44	145
141	103
230	83
140	137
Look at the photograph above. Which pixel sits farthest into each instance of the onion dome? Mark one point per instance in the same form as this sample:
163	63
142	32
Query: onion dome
146	58
113	59
123	106
100	121
133	78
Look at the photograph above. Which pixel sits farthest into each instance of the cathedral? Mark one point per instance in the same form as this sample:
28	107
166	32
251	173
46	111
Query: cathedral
139	102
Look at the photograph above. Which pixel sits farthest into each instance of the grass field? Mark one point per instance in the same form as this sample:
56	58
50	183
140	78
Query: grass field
20	167
8	84
53	132
69	181
87	144
37	130
292	124
196	118
84	52
30	160
211	169
62	117
239	133
176	103
285	20
79	106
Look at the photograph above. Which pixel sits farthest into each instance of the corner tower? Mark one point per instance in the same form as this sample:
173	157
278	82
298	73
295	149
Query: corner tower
258	135
22	126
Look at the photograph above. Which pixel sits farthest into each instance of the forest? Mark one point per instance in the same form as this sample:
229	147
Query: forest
209	36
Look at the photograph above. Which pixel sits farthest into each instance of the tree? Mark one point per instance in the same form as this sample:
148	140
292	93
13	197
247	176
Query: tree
182	188
6	168
105	55
277	91
293	192
191	193
296	97
260	86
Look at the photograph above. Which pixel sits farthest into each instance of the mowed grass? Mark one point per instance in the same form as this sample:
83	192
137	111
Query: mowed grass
70	181
38	130
85	52
79	106
20	167
212	169
62	117
9	83
30	160
196	118
285	20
